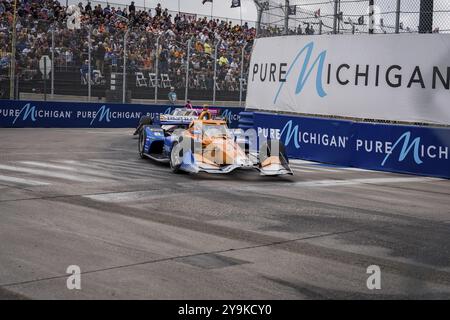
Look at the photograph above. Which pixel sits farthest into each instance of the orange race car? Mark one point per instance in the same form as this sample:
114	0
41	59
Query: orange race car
208	145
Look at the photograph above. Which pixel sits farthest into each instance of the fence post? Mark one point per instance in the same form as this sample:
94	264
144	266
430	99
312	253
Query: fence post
53	63
89	63
17	93
45	79
426	16
157	69
241	80
12	76
124	84
371	16
397	17
259	18
286	17
320	26
335	16
215	72
187	70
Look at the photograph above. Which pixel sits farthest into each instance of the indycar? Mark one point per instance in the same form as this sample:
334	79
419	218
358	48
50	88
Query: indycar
195	143
183	114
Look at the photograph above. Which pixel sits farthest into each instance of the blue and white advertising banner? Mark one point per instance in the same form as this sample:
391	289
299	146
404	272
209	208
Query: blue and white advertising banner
396	148
34	114
402	77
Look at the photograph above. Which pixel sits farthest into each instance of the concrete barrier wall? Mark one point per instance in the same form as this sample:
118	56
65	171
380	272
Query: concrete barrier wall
395	148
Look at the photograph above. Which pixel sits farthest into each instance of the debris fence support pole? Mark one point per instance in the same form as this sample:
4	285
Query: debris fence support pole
187	71
258	22
45	78
212	9
157	69
241	89
124	84
89	64
215	72
53	63
240	13
371	16
397	17
335	16
12	70
286	17
426	16
17	89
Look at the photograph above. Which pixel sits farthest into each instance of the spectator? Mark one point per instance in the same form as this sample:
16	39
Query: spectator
100	57
108	30
85	71
172	96
88	7
132	8
158	10
188	105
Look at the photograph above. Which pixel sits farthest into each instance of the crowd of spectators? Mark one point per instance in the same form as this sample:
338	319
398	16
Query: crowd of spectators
108	24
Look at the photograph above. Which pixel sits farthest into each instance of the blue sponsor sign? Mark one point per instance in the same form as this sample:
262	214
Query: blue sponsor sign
397	148
39	114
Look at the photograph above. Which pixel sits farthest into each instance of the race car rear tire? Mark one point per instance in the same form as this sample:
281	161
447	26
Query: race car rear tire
144	121
176	157
141	143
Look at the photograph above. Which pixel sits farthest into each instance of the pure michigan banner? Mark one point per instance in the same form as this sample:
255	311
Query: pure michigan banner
39	114
397	148
404	77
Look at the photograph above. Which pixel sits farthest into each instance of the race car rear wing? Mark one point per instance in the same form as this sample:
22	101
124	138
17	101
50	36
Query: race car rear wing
170	120
182	120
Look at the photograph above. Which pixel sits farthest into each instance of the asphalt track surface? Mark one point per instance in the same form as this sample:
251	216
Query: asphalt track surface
137	231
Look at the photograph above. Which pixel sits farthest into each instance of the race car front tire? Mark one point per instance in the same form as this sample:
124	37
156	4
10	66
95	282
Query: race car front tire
141	143
176	157
266	151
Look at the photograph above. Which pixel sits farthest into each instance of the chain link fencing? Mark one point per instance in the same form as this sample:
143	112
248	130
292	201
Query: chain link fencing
203	60
311	17
122	58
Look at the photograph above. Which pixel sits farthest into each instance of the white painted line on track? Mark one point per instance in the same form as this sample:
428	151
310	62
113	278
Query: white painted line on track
301	169
46	173
136	165
115	170
113	167
315	168
131	196
313	165
59	152
84	171
352	182
28	182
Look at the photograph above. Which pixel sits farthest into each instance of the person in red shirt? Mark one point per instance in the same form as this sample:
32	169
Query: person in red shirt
188	105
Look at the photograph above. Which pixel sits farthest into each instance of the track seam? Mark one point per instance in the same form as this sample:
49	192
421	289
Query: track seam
182	257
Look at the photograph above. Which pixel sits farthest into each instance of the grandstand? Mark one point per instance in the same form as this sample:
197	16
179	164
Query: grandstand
155	39
158	55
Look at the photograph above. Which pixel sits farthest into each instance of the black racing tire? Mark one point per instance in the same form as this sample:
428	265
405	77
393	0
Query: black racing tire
144	121
265	151
175	164
141	143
